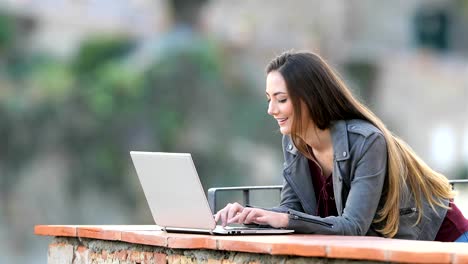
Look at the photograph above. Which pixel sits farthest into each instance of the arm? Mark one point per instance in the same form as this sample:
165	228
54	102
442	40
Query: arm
289	199
276	216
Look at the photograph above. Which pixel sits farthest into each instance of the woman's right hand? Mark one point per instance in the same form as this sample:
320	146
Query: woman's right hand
228	212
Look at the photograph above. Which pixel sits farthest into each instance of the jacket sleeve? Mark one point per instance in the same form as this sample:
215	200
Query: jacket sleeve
289	199
367	179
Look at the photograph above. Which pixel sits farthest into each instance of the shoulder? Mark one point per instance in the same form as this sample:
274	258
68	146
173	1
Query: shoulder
365	135
362	127
354	129
356	137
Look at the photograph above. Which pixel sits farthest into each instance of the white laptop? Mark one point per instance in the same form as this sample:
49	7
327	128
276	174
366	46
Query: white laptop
176	198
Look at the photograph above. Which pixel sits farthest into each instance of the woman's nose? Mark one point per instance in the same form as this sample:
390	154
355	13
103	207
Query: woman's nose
271	108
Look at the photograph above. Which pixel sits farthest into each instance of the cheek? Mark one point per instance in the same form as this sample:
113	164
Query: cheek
289	109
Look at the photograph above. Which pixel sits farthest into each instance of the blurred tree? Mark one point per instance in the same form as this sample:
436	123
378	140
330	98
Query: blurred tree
7	29
99	50
101	104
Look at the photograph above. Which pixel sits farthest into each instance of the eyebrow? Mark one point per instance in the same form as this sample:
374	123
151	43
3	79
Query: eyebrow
275	94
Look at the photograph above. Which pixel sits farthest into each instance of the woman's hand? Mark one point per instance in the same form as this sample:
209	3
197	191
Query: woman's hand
235	213
228	212
261	217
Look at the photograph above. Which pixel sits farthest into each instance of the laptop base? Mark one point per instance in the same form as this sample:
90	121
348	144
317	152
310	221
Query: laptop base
219	230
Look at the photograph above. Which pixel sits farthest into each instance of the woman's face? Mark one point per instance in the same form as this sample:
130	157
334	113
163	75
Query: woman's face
279	103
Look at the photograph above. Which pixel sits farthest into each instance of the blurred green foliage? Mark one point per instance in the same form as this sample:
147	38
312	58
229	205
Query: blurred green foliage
96	107
6	30
98	51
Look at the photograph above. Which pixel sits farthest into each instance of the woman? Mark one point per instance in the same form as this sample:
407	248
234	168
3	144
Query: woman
344	171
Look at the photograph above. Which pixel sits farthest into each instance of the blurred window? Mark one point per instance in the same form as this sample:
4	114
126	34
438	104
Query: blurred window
431	26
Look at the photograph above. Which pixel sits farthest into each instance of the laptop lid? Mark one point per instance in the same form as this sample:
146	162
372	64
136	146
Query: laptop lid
173	190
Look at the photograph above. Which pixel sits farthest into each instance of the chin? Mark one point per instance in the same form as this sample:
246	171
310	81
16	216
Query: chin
285	131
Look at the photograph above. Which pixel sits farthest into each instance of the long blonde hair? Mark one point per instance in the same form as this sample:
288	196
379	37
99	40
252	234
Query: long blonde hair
310	80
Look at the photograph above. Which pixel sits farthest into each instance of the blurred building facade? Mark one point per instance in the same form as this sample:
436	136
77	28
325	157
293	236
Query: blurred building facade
407	60
58	26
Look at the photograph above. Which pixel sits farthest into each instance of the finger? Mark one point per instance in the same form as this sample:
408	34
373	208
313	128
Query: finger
251	216
233	210
239	218
261	220
222	214
235	219
219	217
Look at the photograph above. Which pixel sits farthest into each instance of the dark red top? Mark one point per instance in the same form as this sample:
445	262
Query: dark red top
453	226
323	187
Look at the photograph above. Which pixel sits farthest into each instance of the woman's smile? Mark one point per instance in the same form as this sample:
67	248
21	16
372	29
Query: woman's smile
281	121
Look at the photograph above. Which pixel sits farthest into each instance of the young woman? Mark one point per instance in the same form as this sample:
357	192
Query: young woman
344	171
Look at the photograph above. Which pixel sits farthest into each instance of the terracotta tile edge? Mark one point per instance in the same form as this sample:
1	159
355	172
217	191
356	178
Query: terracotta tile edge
374	253
317	250
459	258
129	237
193	242
244	246
55	230
98	233
207	242
403	256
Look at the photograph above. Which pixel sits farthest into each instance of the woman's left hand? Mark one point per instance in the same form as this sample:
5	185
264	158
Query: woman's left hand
262	217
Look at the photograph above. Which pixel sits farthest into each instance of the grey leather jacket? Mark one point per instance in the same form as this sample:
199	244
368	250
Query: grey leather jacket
359	173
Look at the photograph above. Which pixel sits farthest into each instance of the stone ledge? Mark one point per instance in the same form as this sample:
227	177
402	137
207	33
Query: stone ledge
336	247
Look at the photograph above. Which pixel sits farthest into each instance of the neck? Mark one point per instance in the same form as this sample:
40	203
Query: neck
318	140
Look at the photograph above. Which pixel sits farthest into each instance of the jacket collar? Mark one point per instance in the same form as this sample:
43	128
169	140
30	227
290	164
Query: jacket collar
339	133
290	147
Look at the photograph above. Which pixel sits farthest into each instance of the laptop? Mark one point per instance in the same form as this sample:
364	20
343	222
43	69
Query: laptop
176	197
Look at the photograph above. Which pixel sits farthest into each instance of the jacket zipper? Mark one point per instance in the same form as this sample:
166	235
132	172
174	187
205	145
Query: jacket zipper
296	217
405	211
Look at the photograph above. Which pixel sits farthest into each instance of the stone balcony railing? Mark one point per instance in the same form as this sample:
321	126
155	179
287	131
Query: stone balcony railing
147	244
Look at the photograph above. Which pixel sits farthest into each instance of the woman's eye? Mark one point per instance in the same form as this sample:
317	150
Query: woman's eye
282	100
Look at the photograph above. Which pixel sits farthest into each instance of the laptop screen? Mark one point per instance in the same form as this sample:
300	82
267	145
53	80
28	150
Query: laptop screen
173	190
